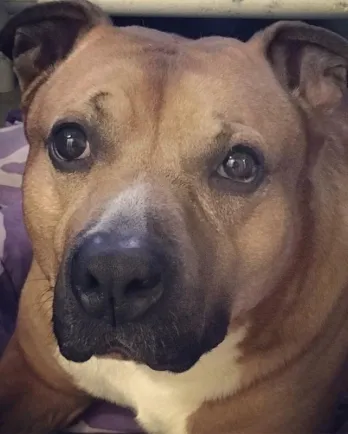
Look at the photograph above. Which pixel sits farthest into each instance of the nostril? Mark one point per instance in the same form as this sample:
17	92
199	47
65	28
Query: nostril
92	283
93	303
142	286
87	288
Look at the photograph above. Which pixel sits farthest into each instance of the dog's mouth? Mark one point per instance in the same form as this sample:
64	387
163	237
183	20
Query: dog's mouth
174	367
78	341
158	343
122	352
118	352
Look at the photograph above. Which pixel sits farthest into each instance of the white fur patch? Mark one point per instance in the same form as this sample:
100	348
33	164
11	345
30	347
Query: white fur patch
132	202
162	400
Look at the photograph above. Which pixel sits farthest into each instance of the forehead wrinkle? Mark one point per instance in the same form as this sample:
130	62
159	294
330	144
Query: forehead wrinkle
161	79
157	64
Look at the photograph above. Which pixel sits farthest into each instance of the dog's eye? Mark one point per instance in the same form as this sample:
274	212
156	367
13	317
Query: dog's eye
69	142
241	165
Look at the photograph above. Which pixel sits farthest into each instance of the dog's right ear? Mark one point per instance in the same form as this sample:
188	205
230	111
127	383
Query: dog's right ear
310	62
41	36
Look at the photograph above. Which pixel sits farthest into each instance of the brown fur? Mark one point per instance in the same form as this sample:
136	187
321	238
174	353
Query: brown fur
161	106
35	395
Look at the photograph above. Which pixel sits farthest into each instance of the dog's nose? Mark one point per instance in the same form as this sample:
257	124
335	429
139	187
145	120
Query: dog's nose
116	278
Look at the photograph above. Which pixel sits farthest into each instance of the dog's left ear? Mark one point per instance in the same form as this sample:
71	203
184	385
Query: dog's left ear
310	62
42	35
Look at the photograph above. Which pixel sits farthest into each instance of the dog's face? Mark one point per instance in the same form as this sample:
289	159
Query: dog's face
159	198
165	183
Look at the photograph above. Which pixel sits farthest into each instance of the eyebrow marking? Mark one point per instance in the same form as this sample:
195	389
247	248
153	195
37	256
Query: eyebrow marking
97	102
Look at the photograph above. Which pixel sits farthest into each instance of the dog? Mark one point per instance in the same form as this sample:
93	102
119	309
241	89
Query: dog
187	202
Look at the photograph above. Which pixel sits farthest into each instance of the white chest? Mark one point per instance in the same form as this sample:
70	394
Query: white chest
162	401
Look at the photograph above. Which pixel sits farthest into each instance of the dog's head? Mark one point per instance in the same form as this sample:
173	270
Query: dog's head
168	180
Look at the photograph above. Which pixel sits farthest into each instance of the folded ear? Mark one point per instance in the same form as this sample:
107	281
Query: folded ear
309	61
43	35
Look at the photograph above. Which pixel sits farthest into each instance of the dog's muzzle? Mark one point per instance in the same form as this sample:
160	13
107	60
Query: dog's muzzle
141	296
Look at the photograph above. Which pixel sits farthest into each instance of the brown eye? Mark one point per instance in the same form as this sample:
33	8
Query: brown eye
68	142
242	165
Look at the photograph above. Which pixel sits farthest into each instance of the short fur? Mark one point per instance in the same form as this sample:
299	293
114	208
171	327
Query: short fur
262	311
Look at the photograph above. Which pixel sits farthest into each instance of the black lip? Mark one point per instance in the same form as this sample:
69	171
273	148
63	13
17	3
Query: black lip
73	355
171	366
174	368
82	356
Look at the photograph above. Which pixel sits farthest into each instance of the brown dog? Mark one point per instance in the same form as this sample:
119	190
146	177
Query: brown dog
188	207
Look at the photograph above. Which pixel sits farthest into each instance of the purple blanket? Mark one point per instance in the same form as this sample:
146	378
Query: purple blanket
15	257
15	251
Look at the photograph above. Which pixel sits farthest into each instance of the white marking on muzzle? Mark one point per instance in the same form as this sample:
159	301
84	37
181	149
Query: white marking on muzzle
130	205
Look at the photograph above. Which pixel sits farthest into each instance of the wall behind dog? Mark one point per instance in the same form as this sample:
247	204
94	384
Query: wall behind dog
195	27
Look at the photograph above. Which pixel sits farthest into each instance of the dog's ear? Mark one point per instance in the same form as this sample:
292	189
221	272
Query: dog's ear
42	35
310	62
